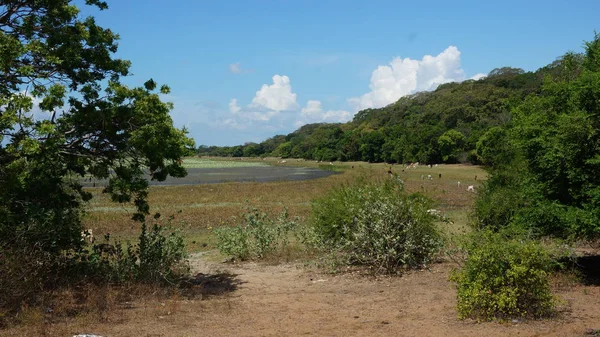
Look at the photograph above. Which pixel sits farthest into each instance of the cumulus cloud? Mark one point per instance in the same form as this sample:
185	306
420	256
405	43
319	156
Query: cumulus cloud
234	108
406	76
268	102
478	76
277	96
313	113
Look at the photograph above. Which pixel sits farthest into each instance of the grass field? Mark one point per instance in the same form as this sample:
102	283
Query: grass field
197	209
291	296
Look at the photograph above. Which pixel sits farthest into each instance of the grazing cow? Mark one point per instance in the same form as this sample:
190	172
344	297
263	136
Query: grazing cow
434	212
471	188
422	177
440	176
87	235
429	176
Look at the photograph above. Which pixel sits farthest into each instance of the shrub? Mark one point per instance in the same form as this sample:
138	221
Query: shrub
332	214
158	257
504	277
498	201
161	255
377	225
257	235
25	273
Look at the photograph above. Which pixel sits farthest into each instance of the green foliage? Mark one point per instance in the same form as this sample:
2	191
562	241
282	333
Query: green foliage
30	274
55	62
160	255
377	225
61	64
256	236
439	126
331	214
504	277
498	200
494	149
551	149
451	143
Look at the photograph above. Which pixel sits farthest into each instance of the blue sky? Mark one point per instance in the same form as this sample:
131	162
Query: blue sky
244	71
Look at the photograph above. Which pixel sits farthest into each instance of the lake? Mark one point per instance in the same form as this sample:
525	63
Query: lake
235	174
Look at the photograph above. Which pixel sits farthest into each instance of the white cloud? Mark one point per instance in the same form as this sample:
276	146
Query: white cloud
268	102
406	76
234	108
277	96
478	76
312	109
236	68
313	113
231	123
35	111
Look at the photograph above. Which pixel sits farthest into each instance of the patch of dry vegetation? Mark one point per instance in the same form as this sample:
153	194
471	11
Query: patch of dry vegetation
199	207
197	210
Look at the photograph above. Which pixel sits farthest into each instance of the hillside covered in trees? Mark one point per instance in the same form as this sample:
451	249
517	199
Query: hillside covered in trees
432	127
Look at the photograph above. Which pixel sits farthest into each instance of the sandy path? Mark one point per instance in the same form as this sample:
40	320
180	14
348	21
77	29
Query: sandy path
290	300
287	300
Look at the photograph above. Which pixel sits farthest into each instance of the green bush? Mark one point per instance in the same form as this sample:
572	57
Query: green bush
161	255
257	235
332	214
158	257
499	200
504	277
377	225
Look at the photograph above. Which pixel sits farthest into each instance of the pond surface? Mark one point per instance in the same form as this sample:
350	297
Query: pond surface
235	174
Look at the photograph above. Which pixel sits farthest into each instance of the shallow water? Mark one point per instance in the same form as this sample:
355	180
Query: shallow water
235	174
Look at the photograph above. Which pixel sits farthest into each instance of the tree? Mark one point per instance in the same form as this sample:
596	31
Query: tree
554	139
451	143
65	115
493	148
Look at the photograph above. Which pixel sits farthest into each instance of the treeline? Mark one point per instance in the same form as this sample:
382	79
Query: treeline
431	127
544	163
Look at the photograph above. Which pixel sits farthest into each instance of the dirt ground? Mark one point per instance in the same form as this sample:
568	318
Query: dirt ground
294	300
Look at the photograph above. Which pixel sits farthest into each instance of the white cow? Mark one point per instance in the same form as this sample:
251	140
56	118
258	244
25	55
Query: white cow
458	184
87	235
471	188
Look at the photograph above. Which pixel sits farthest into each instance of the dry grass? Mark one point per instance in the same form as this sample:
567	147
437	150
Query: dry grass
198	208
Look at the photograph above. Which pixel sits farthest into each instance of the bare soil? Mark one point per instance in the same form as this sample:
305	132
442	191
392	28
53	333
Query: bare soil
294	300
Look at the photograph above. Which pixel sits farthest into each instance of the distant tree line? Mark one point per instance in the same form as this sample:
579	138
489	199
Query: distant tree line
442	126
